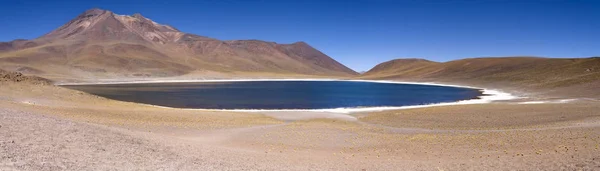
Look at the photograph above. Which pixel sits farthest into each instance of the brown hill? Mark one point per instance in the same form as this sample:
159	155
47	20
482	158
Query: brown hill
527	72
410	67
99	43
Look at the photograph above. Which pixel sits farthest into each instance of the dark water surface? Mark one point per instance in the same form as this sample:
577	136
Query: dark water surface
279	94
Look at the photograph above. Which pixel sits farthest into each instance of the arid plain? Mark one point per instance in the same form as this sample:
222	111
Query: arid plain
47	127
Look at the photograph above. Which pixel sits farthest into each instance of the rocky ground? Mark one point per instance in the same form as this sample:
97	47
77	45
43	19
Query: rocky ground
45	127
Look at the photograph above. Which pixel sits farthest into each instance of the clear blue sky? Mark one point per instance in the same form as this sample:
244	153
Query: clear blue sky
358	33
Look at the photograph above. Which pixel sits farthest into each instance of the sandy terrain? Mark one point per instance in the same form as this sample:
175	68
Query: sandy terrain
51	128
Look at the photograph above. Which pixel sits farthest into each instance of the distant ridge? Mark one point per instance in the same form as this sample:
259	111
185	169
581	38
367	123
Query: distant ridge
522	71
100	43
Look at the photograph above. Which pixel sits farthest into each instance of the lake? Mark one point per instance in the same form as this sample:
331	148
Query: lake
280	94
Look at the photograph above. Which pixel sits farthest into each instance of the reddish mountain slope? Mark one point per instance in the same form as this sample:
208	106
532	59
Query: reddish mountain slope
100	43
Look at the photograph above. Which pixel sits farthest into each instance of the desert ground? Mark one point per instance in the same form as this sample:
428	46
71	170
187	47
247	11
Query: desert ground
47	127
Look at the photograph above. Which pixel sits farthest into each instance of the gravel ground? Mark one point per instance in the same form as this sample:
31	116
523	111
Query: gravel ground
51	128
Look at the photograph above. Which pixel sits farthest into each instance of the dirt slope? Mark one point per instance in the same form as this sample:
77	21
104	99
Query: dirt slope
524	72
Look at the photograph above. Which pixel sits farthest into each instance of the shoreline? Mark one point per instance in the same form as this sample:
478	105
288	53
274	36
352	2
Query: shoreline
488	95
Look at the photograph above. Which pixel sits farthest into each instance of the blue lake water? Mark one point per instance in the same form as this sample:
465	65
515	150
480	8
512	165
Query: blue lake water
280	94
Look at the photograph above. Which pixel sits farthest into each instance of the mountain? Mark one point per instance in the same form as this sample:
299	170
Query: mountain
412	67
100	43
532	72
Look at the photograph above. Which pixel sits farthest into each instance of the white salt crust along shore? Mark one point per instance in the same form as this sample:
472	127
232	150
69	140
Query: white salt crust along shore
487	97
549	101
